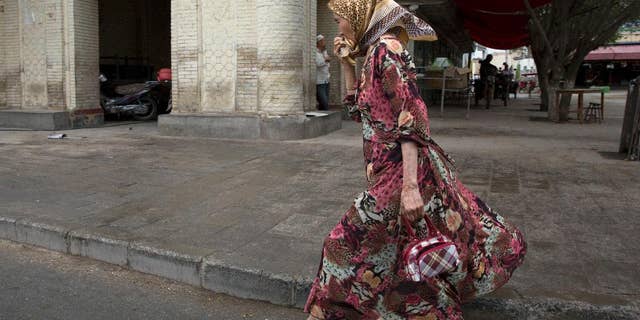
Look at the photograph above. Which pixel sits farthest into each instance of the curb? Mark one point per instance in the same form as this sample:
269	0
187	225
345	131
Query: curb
246	283
200	271
165	263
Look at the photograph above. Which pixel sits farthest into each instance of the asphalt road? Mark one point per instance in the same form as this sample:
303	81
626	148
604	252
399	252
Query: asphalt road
40	284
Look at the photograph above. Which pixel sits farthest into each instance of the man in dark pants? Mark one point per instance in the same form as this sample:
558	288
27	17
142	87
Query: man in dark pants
322	64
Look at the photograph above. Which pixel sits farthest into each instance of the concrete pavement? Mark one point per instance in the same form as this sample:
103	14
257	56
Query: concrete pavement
248	218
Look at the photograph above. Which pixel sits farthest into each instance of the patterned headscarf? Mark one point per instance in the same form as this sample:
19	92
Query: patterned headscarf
370	19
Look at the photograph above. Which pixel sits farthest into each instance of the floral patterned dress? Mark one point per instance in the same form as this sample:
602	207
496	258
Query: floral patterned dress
361	275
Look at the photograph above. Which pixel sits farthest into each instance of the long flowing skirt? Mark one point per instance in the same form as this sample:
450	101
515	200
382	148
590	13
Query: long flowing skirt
361	275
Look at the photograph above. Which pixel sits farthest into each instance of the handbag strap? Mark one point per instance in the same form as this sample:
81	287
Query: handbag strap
407	226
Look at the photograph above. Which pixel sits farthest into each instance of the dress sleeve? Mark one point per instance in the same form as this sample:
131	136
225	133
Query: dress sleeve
408	111
351	106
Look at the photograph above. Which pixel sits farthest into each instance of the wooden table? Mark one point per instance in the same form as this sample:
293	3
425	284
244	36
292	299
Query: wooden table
580	93
444	90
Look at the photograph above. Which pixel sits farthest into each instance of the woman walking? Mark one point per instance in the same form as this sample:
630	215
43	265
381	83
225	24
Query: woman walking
410	178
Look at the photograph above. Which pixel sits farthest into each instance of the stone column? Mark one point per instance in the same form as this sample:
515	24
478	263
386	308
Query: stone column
49	76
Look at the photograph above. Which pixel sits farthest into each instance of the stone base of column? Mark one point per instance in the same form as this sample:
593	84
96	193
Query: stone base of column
250	127
51	120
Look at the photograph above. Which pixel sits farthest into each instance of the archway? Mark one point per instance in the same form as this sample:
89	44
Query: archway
135	43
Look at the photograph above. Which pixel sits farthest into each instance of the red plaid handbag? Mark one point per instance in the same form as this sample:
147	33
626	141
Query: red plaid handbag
430	257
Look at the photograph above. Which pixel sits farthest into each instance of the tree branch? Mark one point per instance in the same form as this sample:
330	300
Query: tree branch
538	25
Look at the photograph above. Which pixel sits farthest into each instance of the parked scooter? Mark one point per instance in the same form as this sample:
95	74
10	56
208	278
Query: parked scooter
142	101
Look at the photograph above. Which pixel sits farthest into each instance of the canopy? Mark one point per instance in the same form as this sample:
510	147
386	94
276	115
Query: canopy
615	53
498	24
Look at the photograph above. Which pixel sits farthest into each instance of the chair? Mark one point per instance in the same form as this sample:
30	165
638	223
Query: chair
594	112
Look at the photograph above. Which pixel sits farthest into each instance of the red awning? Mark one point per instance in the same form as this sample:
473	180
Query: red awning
615	53
498	24
499	6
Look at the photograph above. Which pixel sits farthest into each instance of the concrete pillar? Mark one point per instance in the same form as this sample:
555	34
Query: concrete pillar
244	69
49	76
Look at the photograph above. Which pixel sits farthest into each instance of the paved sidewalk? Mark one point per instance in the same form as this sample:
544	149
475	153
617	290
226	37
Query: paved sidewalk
248	218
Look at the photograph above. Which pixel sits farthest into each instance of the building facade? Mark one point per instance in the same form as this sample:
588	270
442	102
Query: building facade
248	58
241	69
616	64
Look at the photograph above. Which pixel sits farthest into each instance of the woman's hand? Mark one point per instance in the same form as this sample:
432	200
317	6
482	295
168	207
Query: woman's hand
412	204
343	49
339	43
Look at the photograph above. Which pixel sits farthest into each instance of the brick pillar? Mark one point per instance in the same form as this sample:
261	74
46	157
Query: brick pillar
247	57
83	61
10	86
33	21
219	60
311	30
49	78
186	35
281	49
244	69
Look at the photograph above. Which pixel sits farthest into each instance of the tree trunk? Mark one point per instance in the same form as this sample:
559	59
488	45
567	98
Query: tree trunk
551	74
550	99
545	96
570	76
543	80
565	100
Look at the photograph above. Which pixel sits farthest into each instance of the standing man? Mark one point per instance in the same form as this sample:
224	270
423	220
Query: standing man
322	64
488	74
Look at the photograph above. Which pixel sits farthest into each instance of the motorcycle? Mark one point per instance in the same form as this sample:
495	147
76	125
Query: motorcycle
142	101
499	84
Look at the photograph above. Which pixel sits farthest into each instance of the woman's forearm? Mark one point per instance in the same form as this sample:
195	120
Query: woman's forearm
409	164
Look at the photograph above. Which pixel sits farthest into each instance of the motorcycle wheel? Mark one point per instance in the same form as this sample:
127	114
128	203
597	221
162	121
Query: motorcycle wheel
151	112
